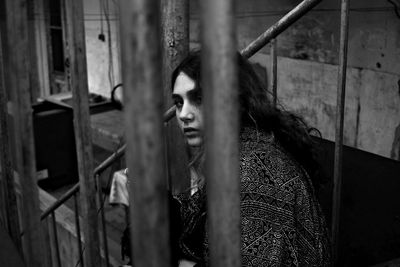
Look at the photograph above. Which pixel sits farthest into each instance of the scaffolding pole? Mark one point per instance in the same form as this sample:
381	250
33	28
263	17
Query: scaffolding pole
274	72
340	105
175	26
221	106
78	82
21	82
143	97
9	198
276	29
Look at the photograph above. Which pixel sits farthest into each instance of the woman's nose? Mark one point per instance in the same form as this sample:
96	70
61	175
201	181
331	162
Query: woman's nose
186	113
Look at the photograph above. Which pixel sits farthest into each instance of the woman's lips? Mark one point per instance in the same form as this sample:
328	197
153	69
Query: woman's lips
190	131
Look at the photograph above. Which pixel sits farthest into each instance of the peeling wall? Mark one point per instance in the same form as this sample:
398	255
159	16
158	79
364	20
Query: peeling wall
103	63
307	66
372	105
308	58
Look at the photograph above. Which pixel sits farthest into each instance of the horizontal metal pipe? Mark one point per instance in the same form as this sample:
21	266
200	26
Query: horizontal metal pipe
168	115
279	27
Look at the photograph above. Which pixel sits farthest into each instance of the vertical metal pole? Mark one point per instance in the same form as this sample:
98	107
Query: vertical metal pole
20	75
54	225
141	61
222	130
341	92
78	229
274	72
34	72
175	23
78	81
103	220
9	200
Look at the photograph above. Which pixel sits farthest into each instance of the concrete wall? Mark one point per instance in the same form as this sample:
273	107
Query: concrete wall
307	66
103	62
308	57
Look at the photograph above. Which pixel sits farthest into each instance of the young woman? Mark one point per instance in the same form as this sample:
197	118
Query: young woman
281	221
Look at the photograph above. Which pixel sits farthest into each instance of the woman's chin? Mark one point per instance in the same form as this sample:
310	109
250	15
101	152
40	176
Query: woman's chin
194	142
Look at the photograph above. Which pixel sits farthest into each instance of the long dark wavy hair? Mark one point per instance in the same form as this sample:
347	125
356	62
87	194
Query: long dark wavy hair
256	108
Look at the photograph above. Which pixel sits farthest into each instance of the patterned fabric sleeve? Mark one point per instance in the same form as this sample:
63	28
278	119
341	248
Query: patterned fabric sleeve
281	221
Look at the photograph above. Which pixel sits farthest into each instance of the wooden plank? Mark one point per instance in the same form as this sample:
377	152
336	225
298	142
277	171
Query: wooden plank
78	81
341	95
222	131
20	74
175	17
143	96
9	199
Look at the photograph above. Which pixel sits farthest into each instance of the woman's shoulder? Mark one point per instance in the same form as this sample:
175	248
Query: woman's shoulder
262	157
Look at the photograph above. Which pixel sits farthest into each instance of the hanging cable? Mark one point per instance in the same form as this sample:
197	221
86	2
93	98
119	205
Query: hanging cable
106	10
101	35
396	8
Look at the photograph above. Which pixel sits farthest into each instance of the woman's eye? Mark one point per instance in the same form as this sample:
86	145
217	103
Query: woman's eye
178	103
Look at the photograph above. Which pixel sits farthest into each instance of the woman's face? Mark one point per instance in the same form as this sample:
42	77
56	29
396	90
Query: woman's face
187	99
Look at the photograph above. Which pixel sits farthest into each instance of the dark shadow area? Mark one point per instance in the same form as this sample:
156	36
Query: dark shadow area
370	212
9	255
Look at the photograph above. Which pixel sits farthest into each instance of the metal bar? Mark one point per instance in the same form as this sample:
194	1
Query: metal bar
19	70
34	70
60	201
221	117
274	72
141	61
103	221
54	224
9	200
47	243
78	229
78	81
279	27
341	93
168	115
175	18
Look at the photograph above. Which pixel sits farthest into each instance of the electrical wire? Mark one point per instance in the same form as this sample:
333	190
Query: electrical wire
396	8
111	77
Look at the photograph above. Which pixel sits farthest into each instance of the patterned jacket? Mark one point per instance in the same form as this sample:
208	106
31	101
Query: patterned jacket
281	221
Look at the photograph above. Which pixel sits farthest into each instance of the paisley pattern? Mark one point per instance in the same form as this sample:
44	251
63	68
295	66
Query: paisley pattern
281	221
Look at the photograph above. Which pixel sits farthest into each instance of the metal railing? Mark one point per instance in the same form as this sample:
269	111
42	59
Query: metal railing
50	211
250	50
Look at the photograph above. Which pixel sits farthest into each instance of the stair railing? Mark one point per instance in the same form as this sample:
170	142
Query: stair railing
271	33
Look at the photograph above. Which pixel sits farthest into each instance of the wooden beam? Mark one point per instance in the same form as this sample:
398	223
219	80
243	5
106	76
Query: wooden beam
175	18
220	82
9	198
78	81
20	75
341	95
143	97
